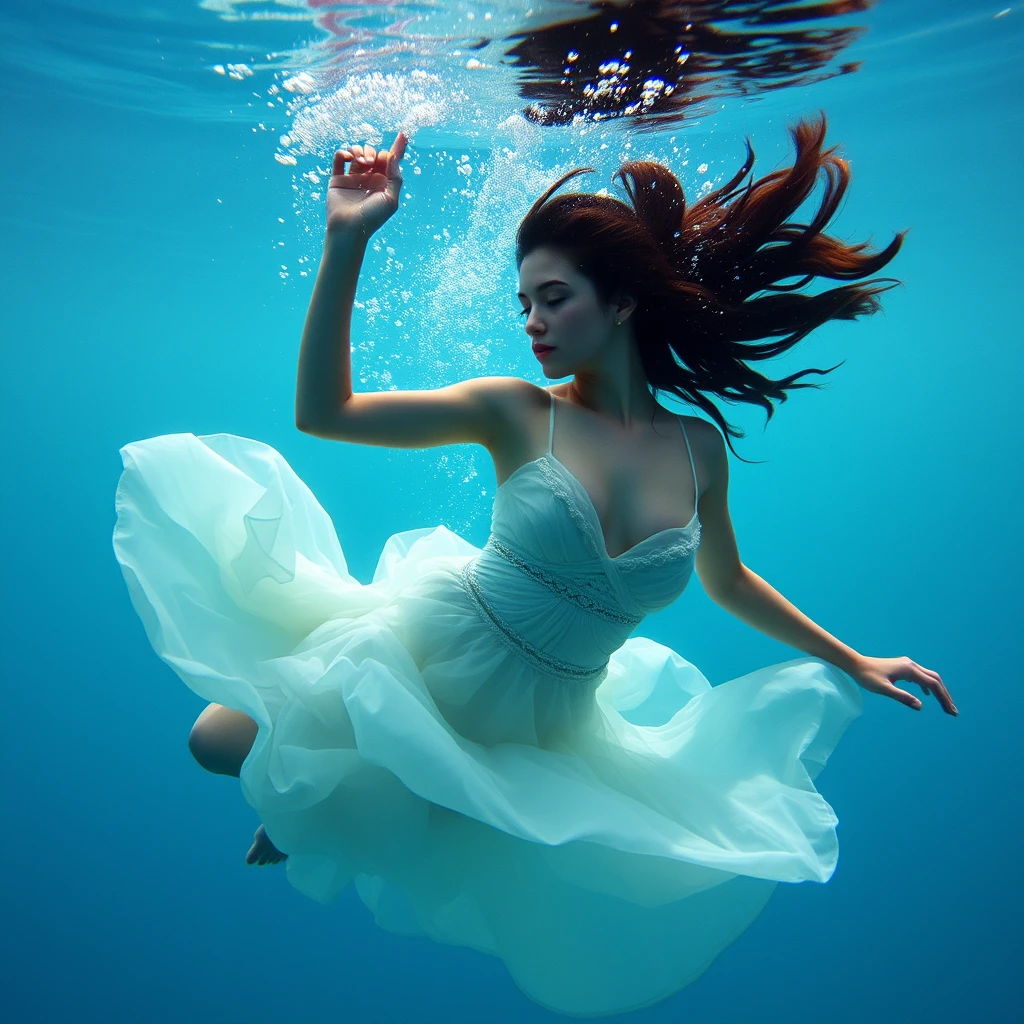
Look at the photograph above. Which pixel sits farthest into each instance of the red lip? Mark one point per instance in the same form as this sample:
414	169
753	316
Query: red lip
540	350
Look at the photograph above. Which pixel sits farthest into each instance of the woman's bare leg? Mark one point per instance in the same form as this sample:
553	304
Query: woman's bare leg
220	741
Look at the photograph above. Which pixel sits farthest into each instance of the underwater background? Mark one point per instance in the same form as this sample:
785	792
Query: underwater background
161	216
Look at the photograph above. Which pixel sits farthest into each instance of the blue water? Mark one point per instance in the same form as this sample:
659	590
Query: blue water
153	256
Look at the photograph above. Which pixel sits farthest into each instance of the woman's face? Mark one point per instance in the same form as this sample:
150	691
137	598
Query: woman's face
568	324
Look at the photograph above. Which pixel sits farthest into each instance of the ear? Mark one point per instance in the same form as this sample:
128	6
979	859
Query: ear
624	306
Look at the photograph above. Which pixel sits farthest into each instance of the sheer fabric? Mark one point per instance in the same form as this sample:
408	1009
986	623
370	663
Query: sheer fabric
474	739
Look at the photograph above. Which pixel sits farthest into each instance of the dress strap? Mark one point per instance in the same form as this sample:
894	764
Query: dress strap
693	470
551	422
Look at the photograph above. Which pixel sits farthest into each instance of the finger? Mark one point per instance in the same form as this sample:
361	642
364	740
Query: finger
340	157
927	671
926	686
932	683
398	149
394	167
903	697
910	672
362	156
945	699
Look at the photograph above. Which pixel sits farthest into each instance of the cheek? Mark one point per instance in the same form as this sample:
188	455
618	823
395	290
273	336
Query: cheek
580	320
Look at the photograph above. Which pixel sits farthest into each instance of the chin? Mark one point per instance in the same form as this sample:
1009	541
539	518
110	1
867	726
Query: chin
553	371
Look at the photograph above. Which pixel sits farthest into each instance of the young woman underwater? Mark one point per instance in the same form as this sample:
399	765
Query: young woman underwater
475	738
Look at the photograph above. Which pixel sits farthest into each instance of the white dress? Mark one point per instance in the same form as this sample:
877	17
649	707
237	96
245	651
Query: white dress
474	739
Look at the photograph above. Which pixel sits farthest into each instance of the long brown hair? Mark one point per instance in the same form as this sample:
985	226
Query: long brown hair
719	284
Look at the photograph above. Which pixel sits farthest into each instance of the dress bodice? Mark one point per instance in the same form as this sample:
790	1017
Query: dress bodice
546	582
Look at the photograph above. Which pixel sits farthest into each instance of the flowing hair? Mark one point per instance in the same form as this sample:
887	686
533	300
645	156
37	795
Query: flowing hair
719	284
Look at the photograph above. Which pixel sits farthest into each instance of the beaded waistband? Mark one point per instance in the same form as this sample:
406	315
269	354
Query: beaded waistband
591	597
519	644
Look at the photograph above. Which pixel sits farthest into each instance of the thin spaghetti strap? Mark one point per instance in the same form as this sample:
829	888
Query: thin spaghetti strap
551	422
693	470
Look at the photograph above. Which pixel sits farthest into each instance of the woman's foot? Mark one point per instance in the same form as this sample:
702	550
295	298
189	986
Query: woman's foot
263	851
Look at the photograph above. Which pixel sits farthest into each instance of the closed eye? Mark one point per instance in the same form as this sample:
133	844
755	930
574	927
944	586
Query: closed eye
551	302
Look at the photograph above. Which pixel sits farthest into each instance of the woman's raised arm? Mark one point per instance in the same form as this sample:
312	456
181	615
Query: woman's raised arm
359	201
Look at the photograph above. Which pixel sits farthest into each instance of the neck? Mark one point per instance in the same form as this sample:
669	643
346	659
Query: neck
615	387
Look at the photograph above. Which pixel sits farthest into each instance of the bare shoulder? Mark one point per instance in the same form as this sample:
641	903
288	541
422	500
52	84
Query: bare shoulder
513	404
509	394
705	436
709	451
519	411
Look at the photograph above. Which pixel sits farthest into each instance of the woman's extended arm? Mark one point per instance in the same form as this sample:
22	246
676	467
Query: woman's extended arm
746	595
325	356
358	202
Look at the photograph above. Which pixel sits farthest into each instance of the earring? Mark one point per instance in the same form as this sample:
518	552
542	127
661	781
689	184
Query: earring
618	323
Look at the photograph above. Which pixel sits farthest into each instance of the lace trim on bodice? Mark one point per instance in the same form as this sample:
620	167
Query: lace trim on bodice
588	594
518	644
563	492
659	556
655	557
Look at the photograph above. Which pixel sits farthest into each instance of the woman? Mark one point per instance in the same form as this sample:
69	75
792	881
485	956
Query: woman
474	738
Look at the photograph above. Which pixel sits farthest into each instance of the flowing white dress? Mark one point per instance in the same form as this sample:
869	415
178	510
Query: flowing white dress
474	739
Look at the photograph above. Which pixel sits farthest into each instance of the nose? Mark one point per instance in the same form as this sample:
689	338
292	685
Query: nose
533	325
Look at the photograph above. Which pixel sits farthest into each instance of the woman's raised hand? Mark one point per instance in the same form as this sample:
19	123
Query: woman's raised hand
363	197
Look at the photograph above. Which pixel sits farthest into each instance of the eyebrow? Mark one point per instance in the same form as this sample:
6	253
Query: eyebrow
541	287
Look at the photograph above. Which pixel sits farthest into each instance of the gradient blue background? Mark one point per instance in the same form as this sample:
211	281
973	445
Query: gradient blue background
132	303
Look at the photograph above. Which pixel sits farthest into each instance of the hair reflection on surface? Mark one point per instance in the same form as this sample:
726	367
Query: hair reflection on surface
659	62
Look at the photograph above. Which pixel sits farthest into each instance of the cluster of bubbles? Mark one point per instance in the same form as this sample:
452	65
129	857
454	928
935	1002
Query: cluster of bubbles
350	111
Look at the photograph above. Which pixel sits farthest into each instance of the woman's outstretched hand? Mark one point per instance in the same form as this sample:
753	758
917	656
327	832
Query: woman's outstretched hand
363	197
880	674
